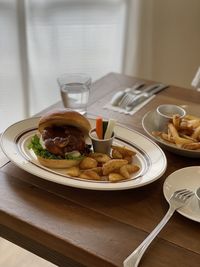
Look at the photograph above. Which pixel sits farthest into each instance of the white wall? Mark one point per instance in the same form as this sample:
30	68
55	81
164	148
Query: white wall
169	41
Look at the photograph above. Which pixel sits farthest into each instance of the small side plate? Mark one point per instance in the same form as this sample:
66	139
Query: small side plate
149	125
188	178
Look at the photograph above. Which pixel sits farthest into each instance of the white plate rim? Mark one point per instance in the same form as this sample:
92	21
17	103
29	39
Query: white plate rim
158	164
179	180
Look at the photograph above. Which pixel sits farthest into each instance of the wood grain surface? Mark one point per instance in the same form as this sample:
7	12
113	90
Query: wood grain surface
76	227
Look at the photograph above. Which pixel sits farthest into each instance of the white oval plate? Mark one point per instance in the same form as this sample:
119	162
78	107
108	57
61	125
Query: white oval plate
149	157
149	125
188	178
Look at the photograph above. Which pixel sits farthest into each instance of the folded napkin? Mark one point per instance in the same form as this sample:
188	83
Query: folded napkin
122	110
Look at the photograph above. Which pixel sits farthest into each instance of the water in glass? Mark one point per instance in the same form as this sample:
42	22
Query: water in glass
75	96
75	89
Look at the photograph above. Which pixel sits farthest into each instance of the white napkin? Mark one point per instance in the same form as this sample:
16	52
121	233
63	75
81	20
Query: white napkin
122	110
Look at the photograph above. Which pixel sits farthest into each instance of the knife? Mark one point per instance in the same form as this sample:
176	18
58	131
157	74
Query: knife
157	86
146	93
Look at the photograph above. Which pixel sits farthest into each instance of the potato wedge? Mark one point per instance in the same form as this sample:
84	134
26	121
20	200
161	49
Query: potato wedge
128	169
100	157
90	175
73	171
129	159
115	177
112	165
116	154
98	170
124	151
88	163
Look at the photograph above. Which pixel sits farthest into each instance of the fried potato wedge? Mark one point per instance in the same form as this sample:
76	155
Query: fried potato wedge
124	151
116	154
90	175
115	177
73	171
112	165
128	169
88	163
100	157
98	170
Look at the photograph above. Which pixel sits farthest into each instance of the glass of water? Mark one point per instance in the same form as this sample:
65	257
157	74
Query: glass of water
75	90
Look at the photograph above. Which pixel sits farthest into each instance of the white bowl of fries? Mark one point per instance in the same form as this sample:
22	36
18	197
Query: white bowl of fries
181	135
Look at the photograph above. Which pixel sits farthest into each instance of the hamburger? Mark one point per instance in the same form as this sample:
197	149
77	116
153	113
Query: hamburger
60	141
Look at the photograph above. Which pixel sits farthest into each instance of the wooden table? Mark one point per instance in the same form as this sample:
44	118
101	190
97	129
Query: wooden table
76	227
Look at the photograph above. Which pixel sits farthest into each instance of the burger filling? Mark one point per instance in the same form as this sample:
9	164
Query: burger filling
62	140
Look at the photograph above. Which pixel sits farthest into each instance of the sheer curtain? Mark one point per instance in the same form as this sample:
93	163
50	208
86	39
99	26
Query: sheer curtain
41	39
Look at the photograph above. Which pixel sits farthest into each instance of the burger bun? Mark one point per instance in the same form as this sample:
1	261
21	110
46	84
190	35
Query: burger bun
62	117
59	163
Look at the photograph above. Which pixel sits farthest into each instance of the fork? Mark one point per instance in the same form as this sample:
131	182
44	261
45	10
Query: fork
135	89
178	199
134	97
126	100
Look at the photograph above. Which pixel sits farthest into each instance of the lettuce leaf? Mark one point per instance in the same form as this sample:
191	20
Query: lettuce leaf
36	146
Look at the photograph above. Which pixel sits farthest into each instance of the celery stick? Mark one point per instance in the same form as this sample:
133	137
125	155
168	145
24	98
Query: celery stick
105	125
110	128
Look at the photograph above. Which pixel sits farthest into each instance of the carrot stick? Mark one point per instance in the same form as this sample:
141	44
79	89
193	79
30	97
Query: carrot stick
99	127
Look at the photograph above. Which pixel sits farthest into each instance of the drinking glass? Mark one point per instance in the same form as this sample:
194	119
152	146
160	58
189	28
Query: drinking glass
75	90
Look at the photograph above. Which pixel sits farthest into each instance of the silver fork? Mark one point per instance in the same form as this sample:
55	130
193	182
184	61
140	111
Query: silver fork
178	199
126	100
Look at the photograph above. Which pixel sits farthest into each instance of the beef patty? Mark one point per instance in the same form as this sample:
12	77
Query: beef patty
62	139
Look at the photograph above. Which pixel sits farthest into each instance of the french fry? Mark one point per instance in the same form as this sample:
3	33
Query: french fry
187	137
183	132
191	117
173	130
180	141
167	137
192	146
176	120
193	123
196	133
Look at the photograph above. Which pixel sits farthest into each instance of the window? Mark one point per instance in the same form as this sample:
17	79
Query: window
43	39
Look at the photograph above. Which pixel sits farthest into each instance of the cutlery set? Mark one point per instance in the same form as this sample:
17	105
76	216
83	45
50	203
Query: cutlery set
132	97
